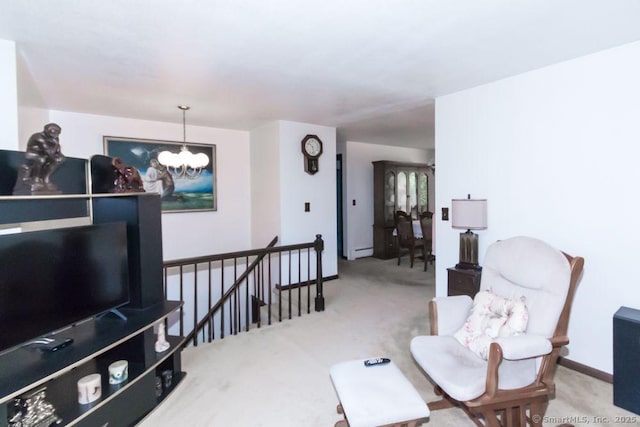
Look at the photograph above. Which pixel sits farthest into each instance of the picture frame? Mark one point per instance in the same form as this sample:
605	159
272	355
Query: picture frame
181	189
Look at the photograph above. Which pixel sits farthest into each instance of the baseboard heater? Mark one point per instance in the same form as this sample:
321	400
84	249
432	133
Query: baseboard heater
626	359
362	252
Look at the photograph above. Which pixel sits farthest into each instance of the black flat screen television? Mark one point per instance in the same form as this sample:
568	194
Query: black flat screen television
54	278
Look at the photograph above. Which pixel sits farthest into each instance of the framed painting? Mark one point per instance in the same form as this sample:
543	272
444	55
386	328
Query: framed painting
183	188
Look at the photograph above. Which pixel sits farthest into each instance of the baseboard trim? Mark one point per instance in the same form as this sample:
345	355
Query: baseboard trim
312	282
587	370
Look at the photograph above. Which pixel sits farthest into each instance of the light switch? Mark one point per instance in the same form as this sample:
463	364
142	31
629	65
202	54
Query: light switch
307	206
445	214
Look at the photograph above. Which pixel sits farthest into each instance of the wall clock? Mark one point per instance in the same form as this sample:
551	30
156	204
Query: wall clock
312	149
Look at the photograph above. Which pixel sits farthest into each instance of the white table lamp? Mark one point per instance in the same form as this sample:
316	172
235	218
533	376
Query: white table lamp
469	214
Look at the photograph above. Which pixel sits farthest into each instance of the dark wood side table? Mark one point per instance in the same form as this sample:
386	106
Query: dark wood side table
463	282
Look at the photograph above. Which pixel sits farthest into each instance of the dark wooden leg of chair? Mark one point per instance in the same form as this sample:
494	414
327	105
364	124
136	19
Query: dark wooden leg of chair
411	256
424	255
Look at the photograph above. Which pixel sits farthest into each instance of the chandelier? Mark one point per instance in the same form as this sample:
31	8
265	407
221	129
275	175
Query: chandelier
184	164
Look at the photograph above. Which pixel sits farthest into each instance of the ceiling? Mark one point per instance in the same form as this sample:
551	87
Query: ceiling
370	68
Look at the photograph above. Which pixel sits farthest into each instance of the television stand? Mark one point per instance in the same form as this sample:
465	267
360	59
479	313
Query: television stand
114	311
52	376
96	345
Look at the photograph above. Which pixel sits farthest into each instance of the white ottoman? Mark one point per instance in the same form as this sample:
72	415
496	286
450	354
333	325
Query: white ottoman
376	396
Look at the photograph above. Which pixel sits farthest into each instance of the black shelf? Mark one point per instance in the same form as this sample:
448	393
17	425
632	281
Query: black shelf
60	391
28	367
21	210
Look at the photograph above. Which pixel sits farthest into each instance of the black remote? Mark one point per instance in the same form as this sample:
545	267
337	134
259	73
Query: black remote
56	344
378	361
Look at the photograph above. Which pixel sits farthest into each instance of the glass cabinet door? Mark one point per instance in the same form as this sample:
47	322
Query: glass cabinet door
389	197
401	203
423	192
412	197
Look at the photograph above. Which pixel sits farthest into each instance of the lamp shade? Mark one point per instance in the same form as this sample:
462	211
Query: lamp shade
469	214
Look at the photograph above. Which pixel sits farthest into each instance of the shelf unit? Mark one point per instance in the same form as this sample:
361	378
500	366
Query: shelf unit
96	342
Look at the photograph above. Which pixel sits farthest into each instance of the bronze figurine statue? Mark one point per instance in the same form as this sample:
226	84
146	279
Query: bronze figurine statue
42	158
127	178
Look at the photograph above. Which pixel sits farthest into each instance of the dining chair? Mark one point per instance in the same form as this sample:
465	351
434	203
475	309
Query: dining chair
426	225
406	238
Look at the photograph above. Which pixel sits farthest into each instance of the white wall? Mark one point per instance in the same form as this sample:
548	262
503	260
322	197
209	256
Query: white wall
30	120
265	184
32	111
185	234
358	186
555	151
298	187
8	96
280	188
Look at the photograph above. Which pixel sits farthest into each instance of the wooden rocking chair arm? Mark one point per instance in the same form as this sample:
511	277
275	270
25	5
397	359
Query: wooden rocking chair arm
524	346
559	341
533	346
493	363
494	396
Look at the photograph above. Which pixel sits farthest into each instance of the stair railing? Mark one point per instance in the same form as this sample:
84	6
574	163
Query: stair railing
239	288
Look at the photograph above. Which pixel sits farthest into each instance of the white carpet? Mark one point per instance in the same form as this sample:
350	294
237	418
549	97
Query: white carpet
278	376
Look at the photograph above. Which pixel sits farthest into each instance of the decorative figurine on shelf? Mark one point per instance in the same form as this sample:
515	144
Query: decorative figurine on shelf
161	344
158	179
118	372
43	157
89	388
128	179
32	410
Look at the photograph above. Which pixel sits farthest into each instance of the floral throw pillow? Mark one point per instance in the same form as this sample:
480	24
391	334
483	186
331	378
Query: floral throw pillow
491	317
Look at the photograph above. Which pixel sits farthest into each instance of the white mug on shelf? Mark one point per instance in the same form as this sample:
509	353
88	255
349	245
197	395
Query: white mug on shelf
89	388
118	372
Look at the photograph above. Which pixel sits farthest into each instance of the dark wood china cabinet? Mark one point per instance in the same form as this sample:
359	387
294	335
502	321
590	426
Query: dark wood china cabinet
396	187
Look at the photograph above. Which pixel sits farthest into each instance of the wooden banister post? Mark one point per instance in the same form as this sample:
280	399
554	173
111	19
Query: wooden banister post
318	245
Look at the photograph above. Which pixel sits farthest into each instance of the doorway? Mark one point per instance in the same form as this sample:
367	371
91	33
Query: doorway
339	202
